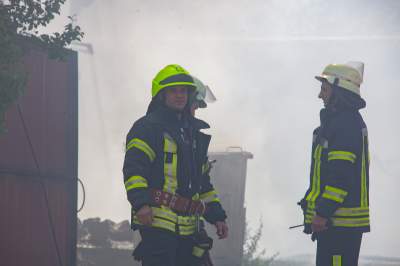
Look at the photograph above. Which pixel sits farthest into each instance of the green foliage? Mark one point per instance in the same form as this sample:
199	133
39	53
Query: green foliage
12	78
28	16
251	254
24	18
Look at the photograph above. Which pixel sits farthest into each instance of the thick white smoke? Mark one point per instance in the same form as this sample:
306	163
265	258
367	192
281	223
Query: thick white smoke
259	57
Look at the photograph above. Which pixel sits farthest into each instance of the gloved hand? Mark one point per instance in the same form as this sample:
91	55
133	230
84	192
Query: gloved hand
145	215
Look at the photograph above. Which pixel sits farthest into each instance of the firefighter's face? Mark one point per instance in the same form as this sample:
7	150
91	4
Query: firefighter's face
176	97
325	93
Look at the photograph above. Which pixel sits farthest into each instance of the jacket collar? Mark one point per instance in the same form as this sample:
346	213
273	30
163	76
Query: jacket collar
197	124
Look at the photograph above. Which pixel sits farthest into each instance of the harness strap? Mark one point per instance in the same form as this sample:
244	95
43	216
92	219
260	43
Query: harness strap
177	203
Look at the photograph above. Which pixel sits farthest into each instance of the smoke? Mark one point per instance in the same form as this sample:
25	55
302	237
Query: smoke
259	57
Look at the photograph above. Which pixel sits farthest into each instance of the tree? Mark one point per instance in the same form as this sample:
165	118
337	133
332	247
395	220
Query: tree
20	20
251	254
96	233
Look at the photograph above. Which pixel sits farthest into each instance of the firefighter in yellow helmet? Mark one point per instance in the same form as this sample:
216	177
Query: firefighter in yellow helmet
336	204
165	178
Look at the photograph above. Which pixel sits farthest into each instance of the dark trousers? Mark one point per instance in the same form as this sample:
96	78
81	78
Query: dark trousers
162	248
338	248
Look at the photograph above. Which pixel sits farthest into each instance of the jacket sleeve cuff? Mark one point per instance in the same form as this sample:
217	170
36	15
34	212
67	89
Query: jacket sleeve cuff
138	198
214	213
326	208
330	200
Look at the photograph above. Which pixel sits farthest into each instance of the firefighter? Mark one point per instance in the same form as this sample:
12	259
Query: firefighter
199	99
165	178
336	204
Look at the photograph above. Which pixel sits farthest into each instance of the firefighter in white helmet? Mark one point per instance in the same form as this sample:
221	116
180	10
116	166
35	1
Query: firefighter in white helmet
336	204
202	96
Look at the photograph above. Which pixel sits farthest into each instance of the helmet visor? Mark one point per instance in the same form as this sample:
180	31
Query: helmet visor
209	97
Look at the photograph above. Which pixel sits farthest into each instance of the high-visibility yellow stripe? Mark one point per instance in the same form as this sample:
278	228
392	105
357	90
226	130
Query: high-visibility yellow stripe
336	260
206	167
310	212
135	181
198	252
159	223
187	225
364	191
186	220
210	196
170	168
336	190
196	196
314	187
345	212
143	146
334	194
327	195
165	213
165	218
172	147
187	230
308	218
350	222
309	215
342	155
316	175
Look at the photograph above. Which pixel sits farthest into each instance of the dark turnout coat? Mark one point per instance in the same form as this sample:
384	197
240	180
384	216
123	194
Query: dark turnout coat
170	154
339	177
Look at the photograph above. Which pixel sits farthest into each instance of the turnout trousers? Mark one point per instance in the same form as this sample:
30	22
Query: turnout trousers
162	248
338	248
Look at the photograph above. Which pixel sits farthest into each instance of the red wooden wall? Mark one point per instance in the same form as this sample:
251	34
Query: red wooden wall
49	108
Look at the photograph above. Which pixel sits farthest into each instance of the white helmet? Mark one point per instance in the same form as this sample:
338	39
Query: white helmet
348	76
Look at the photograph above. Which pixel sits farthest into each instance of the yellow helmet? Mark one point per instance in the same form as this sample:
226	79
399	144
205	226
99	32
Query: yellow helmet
171	75
346	76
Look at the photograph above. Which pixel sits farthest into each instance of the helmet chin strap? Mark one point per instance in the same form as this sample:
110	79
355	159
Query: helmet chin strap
337	97
336	82
333	99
